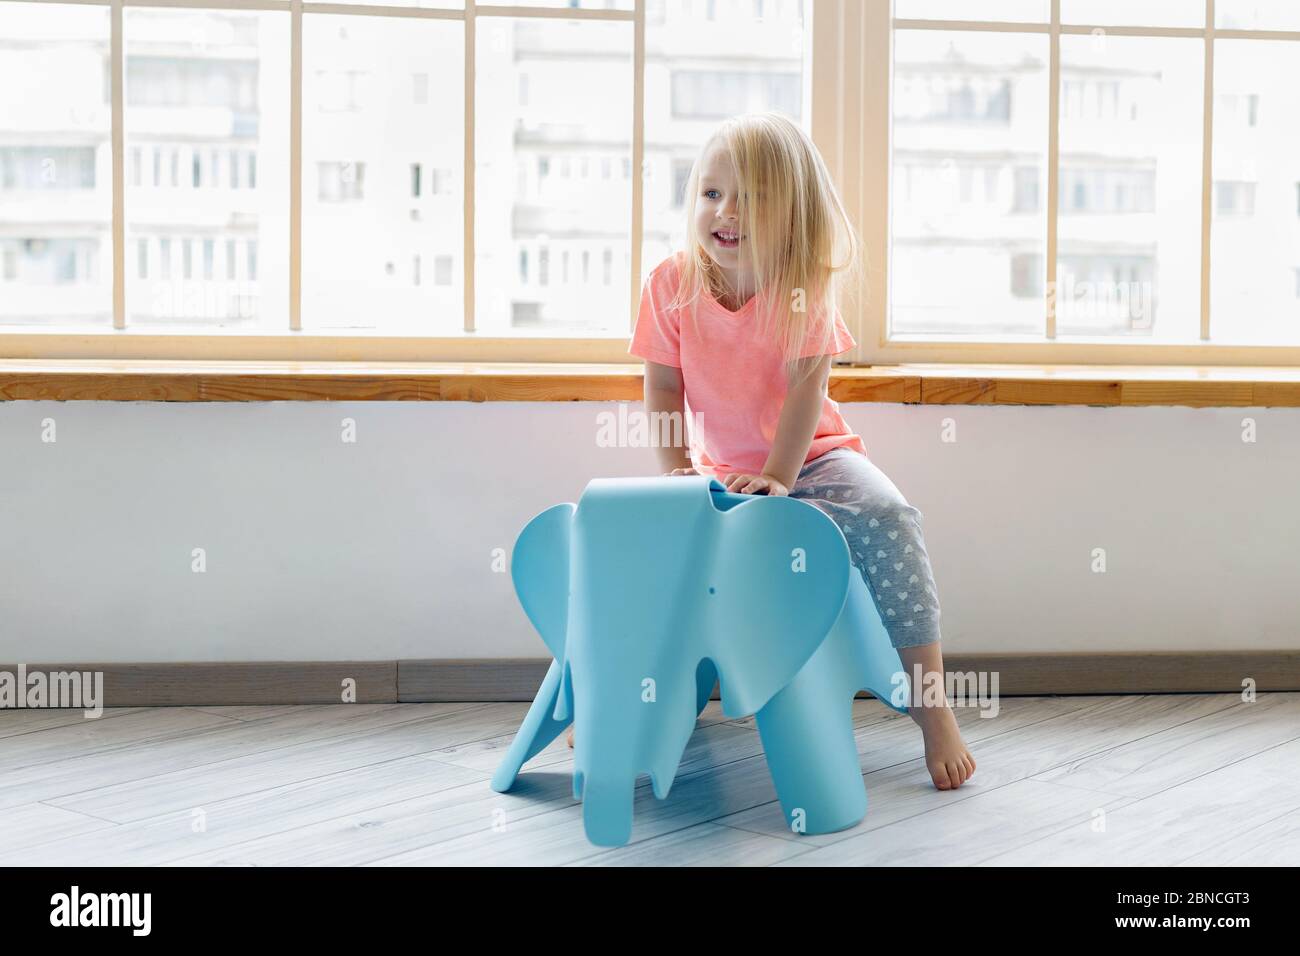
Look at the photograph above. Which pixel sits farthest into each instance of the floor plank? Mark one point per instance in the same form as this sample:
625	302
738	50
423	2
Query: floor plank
23	721
1169	827
251	711
1147	780
91	736
181	790
1161	760
24	828
706	844
78	773
1274	843
227	823
967	831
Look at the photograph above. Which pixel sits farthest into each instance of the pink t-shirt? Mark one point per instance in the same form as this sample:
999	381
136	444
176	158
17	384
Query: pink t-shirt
734	382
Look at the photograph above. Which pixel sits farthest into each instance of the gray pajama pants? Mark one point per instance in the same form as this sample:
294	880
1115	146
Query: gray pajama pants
884	536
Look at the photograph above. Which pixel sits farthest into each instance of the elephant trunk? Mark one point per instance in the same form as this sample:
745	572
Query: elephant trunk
607	807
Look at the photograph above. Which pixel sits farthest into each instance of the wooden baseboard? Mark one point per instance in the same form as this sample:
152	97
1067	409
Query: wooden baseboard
517	679
193	683
501	678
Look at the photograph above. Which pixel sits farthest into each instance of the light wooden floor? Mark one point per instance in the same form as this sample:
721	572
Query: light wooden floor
1182	779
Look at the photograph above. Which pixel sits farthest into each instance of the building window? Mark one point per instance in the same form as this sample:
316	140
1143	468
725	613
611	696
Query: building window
681	176
937	97
1234	198
717	94
1026	189
340	182
1027	275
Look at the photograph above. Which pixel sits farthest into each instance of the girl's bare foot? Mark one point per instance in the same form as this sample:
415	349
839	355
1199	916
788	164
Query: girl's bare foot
569	738
946	757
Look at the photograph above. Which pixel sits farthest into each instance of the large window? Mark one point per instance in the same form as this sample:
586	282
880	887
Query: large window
289	173
206	118
1034	180
1082	174
56	191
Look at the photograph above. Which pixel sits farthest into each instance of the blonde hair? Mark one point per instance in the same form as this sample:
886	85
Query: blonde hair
797	230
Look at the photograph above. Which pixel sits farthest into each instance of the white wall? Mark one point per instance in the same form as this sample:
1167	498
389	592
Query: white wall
320	550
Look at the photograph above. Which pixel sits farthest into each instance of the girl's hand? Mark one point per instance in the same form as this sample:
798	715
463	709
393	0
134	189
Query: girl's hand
681	471
755	485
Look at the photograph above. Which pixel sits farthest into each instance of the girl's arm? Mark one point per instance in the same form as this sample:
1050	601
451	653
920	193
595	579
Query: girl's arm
664	392
799	416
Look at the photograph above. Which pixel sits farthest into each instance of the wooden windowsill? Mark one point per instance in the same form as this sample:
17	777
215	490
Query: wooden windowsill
962	384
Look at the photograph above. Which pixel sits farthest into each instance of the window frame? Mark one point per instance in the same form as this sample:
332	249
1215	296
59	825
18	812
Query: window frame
848	72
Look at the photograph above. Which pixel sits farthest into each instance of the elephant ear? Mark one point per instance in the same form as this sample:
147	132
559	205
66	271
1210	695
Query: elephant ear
779	576
539	567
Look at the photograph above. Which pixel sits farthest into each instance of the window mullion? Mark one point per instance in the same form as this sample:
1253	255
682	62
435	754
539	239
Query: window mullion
116	82
873	47
1053	162
638	154
847	57
467	175
1207	170
295	166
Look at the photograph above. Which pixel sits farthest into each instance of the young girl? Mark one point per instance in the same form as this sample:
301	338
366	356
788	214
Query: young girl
739	329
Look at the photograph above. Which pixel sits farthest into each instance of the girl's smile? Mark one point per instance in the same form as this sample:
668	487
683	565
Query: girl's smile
727	238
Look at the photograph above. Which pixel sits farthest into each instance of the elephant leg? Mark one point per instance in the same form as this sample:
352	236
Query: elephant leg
535	733
864	647
807	734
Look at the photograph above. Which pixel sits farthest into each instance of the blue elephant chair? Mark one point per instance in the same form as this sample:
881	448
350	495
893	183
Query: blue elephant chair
648	591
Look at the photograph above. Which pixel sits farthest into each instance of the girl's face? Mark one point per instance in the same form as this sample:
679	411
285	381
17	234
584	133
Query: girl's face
717	215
